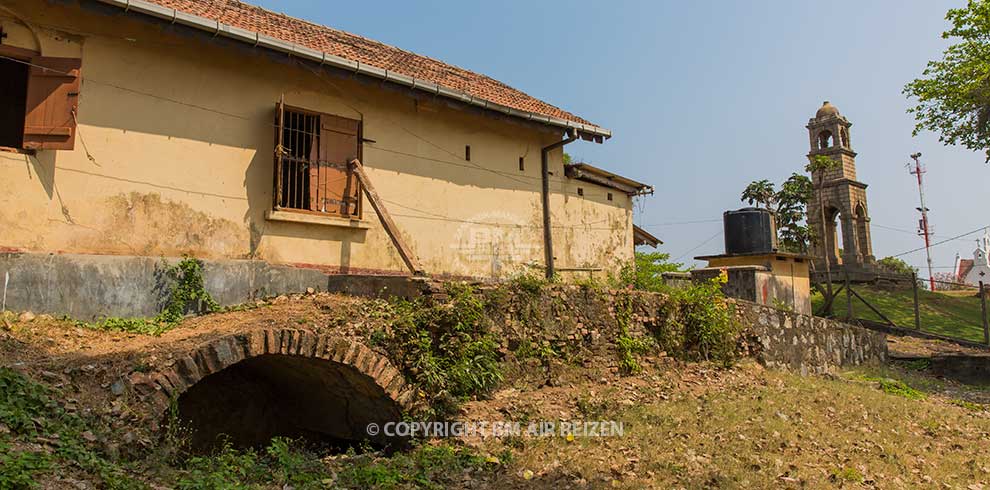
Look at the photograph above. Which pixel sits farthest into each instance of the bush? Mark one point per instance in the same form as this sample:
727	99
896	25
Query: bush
709	332
646	271
447	349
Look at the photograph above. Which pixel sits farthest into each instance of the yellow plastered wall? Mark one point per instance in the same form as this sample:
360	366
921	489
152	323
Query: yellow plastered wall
173	155
789	279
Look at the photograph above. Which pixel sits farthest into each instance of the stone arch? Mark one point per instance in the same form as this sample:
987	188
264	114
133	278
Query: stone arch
280	382
833	218
862	229
844	137
824	139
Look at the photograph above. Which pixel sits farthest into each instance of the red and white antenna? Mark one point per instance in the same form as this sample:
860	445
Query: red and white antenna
924	229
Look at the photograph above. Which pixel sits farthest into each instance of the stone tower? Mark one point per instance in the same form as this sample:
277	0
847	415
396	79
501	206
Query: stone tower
844	196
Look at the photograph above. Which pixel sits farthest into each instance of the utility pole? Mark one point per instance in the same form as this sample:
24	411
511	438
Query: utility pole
923	228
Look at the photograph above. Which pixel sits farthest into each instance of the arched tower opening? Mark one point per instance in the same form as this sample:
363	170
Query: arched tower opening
824	140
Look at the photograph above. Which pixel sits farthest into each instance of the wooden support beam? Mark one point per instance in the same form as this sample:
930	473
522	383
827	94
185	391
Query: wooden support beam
827	306
878	312
393	231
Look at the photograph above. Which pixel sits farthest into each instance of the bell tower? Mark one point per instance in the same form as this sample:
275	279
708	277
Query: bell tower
843	196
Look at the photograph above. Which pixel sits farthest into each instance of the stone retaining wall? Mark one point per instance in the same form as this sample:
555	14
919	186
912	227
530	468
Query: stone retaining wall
569	317
808	344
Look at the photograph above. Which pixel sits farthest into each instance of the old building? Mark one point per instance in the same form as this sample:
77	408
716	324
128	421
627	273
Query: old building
221	130
843	196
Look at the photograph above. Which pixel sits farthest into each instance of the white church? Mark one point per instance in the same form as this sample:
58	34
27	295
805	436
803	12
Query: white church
972	271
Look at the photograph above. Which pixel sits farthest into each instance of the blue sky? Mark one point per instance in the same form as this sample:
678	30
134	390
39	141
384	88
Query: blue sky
704	97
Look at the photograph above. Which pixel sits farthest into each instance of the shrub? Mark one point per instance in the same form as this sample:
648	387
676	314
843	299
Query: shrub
646	271
709	332
447	349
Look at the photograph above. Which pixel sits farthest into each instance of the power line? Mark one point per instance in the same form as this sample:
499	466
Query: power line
943	241
891	228
696	247
676	223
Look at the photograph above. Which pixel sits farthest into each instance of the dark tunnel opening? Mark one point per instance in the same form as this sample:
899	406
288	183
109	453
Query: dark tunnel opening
324	403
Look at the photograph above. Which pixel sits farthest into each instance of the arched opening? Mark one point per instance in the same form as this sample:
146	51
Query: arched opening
824	139
831	242
327	403
844	137
862	230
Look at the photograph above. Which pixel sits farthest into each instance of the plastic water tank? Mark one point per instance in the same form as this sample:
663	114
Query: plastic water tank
749	231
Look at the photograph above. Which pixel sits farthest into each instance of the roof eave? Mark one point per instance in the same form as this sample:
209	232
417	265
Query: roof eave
588	131
595	175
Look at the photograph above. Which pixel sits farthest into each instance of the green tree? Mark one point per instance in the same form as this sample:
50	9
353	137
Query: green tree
762	193
787	206
646	274
820	165
897	266
953	93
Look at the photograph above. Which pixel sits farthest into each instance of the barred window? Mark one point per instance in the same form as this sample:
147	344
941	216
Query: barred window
312	153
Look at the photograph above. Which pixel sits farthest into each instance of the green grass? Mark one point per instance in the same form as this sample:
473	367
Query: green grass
952	316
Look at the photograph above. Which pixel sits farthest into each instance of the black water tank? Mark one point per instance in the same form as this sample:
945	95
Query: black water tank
748	231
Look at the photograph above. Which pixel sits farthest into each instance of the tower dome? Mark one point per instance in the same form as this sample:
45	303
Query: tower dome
827	109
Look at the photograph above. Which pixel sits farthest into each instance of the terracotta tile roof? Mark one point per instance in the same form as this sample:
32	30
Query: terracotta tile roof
366	51
965	265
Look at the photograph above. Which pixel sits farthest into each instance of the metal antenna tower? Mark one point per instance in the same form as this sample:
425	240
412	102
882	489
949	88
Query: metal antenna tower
923	227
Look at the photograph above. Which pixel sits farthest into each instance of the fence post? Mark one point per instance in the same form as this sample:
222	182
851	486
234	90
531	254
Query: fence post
983	308
917	307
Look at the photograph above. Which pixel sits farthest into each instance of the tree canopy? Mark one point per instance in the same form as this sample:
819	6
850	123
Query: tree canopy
953	94
787	205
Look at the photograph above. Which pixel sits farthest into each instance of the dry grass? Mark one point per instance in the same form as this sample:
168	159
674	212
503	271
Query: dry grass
750	428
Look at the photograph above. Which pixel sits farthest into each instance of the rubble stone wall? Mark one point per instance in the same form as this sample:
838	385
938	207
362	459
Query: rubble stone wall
575	317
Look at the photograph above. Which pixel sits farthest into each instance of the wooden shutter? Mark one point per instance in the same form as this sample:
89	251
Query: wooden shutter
52	100
279	150
336	189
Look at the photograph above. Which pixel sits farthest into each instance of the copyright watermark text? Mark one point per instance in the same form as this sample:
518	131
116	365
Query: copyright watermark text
545	428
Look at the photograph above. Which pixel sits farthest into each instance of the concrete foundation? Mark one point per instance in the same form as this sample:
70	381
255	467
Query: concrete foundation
87	287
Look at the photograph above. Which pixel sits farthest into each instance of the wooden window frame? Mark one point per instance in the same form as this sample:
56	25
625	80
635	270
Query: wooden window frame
40	133
353	182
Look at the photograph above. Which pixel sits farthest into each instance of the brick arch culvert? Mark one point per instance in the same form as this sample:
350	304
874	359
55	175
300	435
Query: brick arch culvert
247	388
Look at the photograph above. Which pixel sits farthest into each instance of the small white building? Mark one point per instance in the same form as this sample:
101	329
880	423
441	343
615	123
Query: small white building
972	271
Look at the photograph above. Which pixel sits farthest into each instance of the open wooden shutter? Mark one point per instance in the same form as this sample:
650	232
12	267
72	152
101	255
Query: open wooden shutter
337	190
52	100
279	151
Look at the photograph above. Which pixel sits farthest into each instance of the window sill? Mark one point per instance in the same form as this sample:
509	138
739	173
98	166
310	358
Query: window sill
316	219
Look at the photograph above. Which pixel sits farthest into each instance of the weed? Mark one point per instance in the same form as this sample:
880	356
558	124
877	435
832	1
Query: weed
899	388
917	364
187	293
530	282
447	349
628	347
847	475
705	321
32	413
976	407
426	466
594	409
19	469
